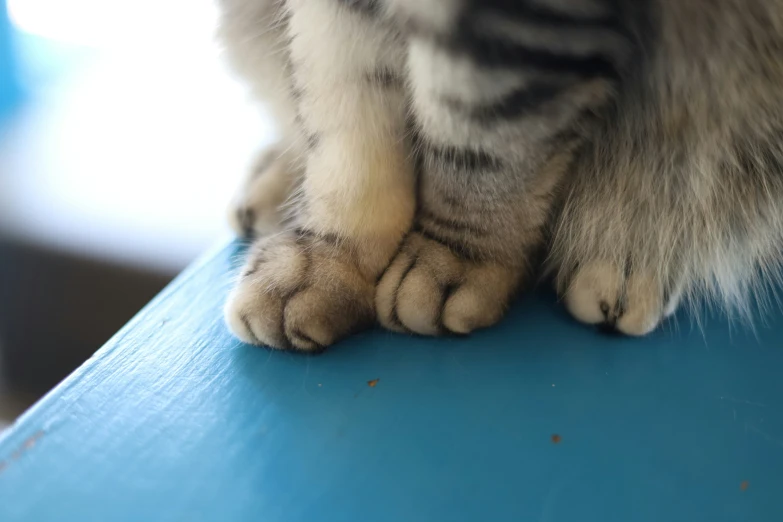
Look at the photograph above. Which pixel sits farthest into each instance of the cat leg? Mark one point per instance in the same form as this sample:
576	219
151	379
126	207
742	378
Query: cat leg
308	287
503	93
688	213
679	197
254	36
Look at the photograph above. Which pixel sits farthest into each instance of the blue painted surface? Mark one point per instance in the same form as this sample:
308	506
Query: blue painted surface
175	420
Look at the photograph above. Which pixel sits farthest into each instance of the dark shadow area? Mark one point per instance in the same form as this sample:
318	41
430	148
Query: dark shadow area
56	309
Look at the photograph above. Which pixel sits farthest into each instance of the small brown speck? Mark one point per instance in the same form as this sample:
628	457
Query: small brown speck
743	485
372	383
29	443
3	465
556	439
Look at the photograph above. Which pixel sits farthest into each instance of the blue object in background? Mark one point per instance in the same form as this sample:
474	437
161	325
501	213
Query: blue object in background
10	89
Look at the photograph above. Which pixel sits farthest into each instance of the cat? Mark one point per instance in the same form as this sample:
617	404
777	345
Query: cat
436	154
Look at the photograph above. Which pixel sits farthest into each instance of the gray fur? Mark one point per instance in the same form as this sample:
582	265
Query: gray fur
639	142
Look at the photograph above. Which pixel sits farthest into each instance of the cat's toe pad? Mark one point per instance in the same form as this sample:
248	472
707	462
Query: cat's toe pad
630	302
428	289
296	293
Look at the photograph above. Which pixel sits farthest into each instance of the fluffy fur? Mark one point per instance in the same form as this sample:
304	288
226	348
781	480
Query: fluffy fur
432	149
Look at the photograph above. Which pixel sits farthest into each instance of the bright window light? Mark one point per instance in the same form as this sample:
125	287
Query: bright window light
107	23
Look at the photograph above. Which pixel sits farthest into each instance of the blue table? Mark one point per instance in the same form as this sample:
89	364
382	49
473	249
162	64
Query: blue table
538	419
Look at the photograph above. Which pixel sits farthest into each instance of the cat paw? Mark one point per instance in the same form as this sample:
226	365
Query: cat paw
429	289
627	301
299	292
258	207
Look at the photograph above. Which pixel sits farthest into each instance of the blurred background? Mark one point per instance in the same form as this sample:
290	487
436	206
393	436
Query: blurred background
122	139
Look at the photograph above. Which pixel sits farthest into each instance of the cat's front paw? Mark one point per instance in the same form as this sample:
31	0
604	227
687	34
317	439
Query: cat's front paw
430	289
299	292
632	302
258	207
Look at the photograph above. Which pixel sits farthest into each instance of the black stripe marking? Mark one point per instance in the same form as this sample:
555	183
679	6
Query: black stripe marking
542	15
260	259
395	317
621	306
628	268
393	257
247	218
452	201
303	234
369	7
282	324
451	224
461	158
513	105
313	140
458	249
446	292
760	158
385	78
306	339
246	324
307	238
493	52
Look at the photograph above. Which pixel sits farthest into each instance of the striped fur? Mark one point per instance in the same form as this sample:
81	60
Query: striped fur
432	149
